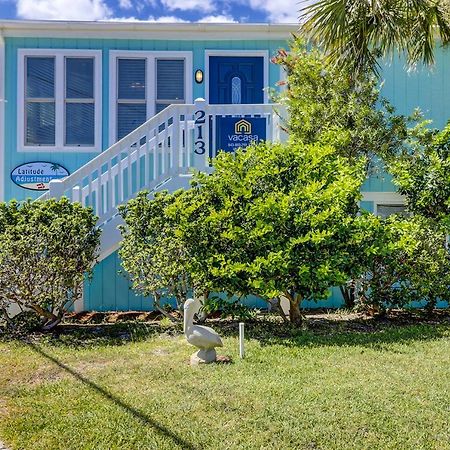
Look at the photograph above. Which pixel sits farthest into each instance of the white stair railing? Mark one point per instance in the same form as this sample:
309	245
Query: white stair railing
167	146
156	150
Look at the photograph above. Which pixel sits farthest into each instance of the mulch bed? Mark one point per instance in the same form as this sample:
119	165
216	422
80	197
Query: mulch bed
313	319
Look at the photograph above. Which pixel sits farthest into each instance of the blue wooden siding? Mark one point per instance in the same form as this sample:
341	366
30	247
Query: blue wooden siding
427	89
110	290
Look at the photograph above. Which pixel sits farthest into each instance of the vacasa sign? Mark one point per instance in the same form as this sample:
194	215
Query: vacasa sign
37	175
235	132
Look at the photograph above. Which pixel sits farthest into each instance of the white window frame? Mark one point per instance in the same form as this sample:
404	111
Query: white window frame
150	88
60	100
259	53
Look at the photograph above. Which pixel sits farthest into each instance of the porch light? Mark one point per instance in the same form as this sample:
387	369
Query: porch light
199	76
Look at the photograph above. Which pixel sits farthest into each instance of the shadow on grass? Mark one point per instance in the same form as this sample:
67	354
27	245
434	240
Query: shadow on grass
129	409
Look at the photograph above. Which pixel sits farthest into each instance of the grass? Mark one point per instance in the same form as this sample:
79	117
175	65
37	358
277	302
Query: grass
326	387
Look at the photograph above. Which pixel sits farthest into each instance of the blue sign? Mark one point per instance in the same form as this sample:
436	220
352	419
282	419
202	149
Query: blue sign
239	132
36	176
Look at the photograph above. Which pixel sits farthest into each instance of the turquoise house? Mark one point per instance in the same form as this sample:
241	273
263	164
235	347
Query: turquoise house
100	110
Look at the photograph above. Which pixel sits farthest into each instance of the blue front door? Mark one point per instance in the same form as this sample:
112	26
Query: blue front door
236	79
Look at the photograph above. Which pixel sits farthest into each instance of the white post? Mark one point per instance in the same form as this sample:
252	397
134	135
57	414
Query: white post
241	340
275	125
175	142
76	194
201	134
56	189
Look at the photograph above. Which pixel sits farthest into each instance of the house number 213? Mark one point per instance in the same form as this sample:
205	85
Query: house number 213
199	143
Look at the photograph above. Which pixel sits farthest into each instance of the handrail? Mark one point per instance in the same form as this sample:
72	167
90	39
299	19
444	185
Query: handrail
126	142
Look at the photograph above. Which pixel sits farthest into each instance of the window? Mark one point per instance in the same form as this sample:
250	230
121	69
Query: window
40	101
144	84
79	102
385	210
236	91
131	97
169	82
59	100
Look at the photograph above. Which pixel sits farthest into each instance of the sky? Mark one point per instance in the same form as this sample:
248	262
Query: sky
251	11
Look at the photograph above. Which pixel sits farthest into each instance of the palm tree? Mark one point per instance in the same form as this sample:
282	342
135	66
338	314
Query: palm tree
356	33
55	167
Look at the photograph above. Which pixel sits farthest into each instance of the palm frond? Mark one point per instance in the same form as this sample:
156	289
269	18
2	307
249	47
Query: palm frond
355	33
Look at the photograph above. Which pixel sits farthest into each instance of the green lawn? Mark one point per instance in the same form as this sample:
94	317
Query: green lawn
312	389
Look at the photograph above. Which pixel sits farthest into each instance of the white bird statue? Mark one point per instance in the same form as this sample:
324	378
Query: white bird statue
204	338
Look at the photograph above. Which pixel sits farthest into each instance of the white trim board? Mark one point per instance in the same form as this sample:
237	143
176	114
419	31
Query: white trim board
384	198
260	53
150	56
2	117
148	30
59	55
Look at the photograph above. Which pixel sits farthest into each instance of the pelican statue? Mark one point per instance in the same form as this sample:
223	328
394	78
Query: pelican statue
204	338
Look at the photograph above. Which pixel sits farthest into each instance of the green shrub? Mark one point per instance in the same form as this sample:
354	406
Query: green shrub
46	248
152	252
422	174
227	308
326	105
25	322
407	262
273	220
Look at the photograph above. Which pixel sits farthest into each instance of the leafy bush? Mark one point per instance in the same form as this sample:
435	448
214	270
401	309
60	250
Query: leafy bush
273	220
227	308
327	105
407	262
152	252
46	248
25	322
422	174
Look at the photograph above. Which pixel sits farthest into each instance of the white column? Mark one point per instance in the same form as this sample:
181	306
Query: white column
76	194
56	189
201	134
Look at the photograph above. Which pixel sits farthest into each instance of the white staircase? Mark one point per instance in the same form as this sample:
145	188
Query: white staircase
160	154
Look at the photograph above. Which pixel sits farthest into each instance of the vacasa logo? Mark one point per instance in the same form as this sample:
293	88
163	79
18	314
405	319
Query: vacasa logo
239	132
243	127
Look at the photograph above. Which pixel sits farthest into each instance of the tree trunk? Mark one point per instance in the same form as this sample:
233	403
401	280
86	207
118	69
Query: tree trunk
156	304
430	306
50	325
295	316
43	312
348	293
294	313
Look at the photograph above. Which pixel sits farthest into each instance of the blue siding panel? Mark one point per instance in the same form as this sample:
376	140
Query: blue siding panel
367	206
